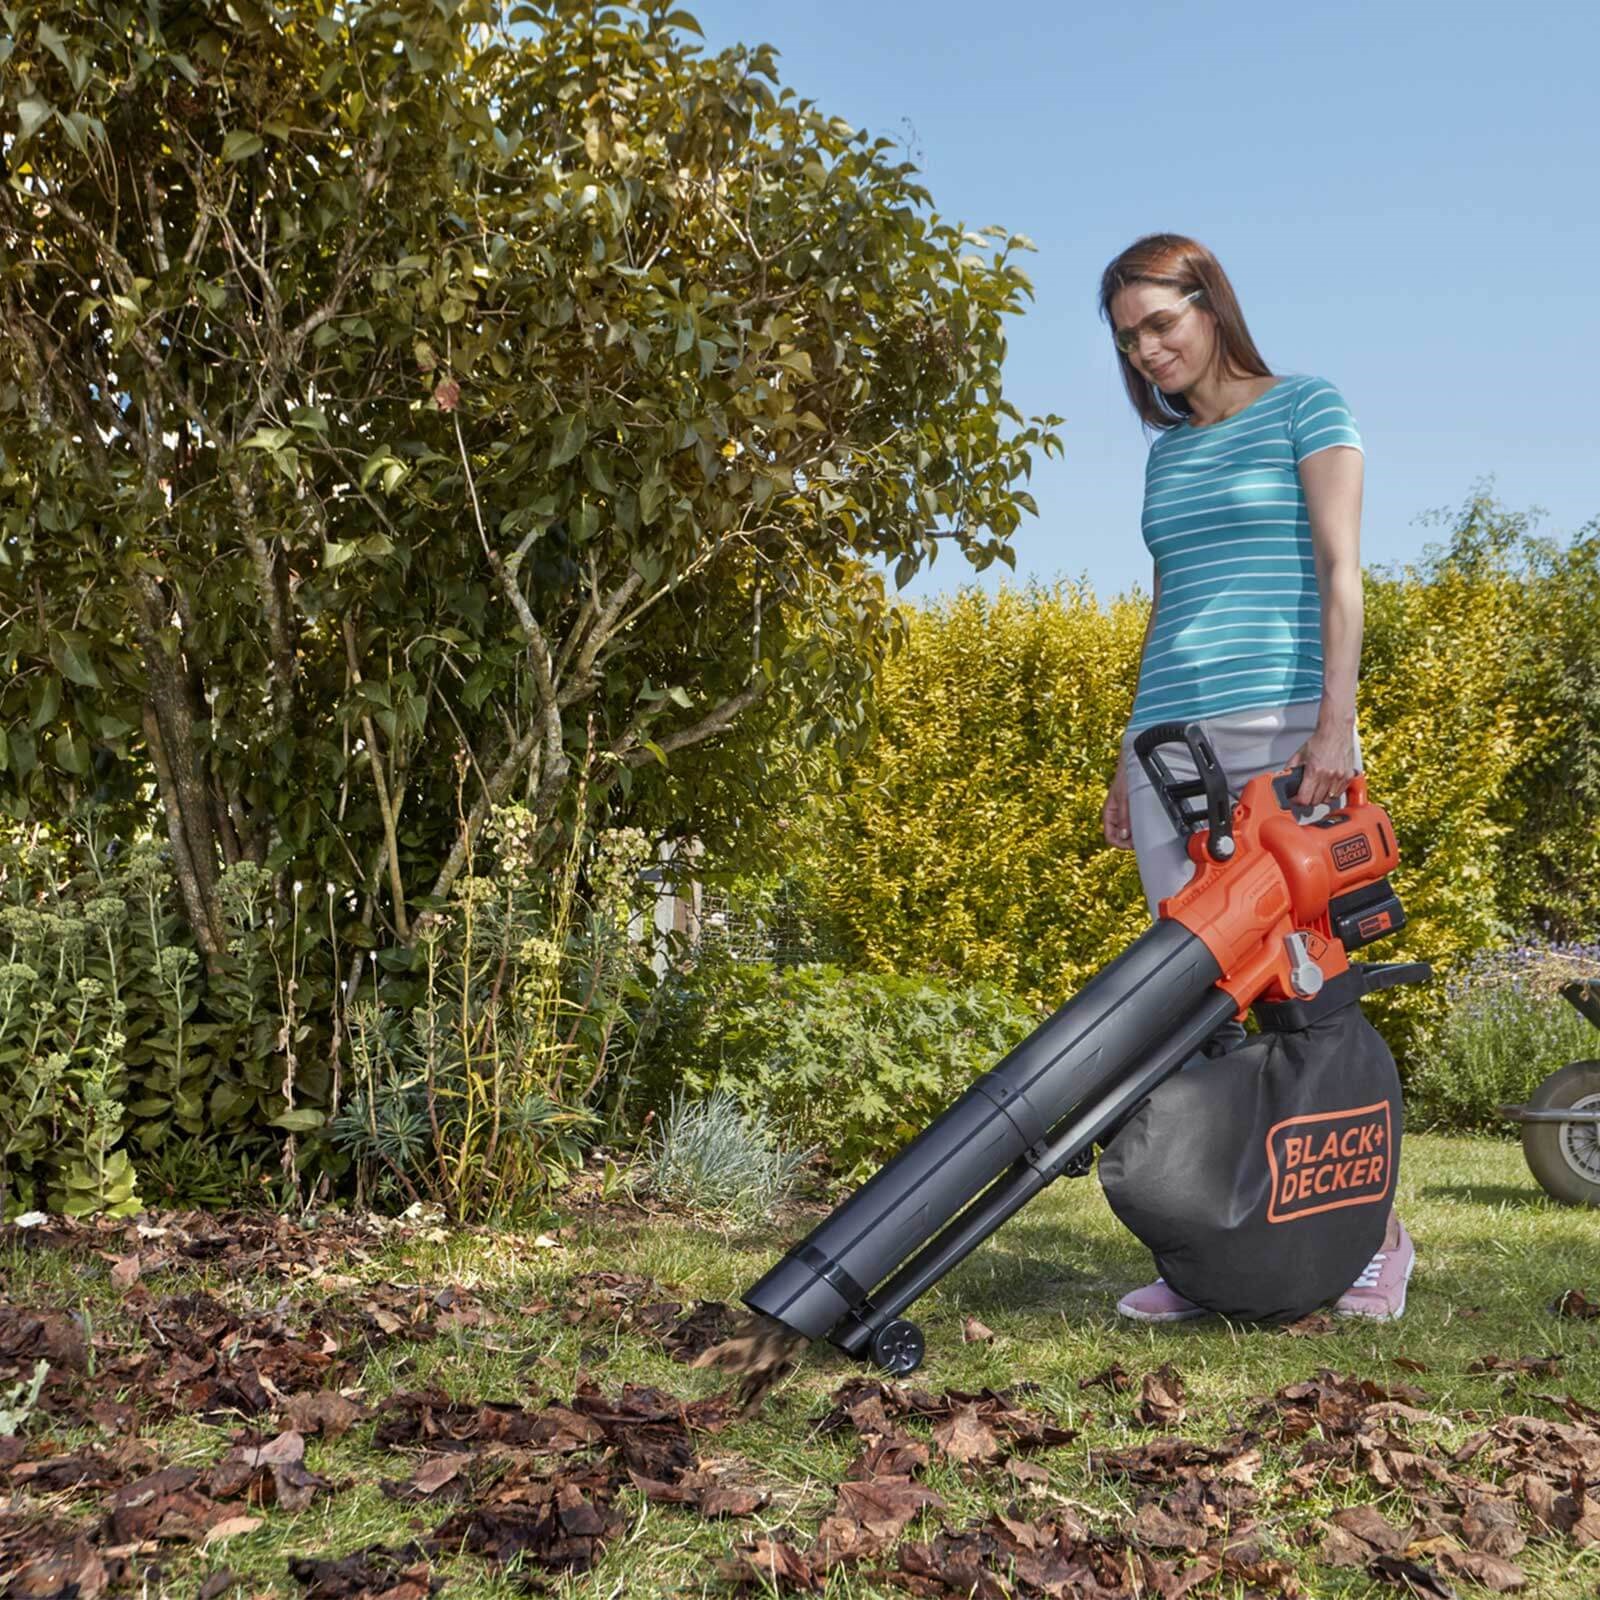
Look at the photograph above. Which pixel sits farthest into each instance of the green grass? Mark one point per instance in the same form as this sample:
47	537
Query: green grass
1493	1253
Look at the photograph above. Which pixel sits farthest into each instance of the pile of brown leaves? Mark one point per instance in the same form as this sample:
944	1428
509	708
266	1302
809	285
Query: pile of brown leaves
537	1483
1197	1512
548	1481
558	1518
625	1301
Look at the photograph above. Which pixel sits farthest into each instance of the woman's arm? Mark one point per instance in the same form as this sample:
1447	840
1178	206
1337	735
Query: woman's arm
1332	481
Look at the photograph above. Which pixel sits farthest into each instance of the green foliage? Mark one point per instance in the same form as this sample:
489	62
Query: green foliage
1552	800
853	1062
408	413
1504	1029
211	1174
1474	733
717	1158
126	1061
117	1046
62	1040
537	398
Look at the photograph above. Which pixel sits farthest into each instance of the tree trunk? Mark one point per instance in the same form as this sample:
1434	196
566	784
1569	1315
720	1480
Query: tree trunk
185	796
199	899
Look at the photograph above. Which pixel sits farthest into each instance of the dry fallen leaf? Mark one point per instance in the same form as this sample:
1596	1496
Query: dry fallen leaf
1308	1326
1113	1379
1493	1572
1154	1526
890	1455
1575	1303
1491	1528
323	1411
230	1528
1413	1577
967	1437
1372	1528
771	1565
1542	1366
879	1508
1162	1399
375	1573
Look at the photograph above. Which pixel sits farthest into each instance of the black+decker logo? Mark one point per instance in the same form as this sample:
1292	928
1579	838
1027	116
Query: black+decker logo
1350	853
1329	1159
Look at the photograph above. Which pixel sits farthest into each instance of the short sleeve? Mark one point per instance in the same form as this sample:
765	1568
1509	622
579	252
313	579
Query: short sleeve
1320	420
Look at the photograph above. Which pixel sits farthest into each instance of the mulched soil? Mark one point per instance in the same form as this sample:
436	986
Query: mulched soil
547	1480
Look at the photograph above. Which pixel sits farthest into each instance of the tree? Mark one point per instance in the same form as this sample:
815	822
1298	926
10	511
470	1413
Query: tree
410	407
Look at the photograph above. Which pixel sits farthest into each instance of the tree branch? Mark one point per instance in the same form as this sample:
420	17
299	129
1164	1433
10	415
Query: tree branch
389	813
715	721
282	652
555	756
494	792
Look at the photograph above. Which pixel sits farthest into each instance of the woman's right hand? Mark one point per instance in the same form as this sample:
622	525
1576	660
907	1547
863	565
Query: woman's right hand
1114	817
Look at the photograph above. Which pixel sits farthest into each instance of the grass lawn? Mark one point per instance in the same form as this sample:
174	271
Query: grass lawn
1493	1255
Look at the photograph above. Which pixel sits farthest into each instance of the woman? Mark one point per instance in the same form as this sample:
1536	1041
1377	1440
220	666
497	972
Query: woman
1252	512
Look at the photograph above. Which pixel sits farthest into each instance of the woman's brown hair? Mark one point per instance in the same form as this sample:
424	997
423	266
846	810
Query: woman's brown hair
1185	265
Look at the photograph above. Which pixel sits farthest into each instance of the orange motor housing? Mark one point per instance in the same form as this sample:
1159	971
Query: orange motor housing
1269	913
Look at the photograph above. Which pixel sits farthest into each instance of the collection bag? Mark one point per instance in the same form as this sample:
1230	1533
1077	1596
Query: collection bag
1262	1180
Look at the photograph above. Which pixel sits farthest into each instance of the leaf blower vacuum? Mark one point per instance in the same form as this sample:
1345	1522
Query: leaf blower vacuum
1268	920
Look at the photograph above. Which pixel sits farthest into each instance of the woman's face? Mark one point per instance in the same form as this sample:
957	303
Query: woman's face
1175	357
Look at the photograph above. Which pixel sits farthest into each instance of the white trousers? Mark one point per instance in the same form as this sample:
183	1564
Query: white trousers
1246	743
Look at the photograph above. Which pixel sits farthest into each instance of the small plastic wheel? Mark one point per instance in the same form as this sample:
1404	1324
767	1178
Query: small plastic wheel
897	1347
1565	1156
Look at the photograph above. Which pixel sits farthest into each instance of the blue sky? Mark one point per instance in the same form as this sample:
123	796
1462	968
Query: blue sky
1405	194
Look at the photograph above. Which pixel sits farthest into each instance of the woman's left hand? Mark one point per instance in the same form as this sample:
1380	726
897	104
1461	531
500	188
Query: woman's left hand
1329	757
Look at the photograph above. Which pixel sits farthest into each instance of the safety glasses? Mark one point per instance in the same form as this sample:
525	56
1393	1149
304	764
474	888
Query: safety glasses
1160	323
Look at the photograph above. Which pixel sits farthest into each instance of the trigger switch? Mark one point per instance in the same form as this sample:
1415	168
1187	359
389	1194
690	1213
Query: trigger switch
1305	976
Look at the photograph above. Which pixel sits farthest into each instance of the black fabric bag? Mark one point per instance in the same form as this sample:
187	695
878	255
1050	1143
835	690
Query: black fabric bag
1262	1180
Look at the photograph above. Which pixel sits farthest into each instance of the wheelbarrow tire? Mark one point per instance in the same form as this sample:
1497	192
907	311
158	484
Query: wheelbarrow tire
1565	1156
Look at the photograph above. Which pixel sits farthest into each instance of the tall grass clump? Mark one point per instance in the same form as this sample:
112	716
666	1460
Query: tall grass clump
716	1158
1505	1028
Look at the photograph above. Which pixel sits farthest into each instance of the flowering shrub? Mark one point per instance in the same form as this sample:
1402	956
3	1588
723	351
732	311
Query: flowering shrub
1504	1029
64	1009
482	1094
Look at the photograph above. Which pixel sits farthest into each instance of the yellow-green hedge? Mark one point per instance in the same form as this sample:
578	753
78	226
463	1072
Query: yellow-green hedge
967	841
966	844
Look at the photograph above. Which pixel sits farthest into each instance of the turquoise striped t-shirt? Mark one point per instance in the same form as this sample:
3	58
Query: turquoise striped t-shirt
1239	624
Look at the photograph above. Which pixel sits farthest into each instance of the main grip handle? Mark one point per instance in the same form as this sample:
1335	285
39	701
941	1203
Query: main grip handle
1287	784
1212	782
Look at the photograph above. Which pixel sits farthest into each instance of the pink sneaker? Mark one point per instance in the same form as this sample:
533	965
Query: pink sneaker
1158	1302
1380	1292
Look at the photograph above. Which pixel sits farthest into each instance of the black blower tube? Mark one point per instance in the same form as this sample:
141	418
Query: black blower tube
1135	1022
